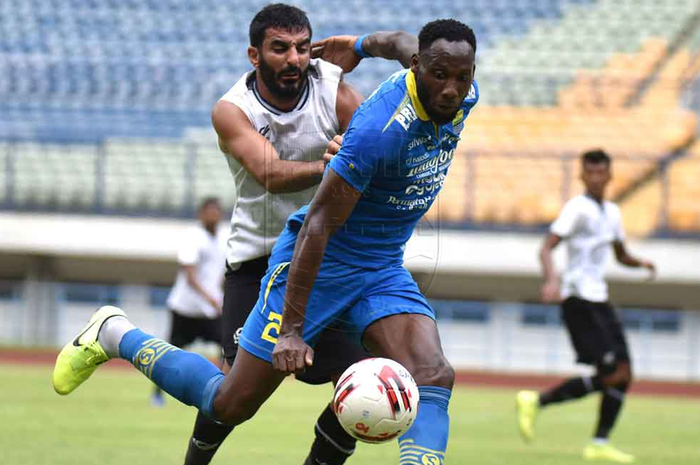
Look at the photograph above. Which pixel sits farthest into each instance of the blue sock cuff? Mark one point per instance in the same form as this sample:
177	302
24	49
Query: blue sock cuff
208	394
131	342
435	395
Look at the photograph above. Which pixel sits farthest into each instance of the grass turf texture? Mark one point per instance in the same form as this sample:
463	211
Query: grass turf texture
109	421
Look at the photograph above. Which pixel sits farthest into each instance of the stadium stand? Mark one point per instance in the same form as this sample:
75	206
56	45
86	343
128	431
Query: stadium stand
684	192
3	173
585	98
117	85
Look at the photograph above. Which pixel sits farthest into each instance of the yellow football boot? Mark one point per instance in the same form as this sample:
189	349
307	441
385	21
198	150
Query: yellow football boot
80	357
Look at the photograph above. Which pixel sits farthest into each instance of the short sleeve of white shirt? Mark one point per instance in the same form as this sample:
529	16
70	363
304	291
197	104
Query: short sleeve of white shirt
565	224
188	253
618	230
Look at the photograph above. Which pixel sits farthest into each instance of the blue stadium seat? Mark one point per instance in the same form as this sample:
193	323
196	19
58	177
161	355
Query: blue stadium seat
115	57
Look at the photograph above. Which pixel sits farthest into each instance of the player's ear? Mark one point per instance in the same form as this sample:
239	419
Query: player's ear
414	63
254	56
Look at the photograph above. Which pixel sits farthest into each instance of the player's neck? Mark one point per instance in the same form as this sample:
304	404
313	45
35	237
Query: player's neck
598	198
271	99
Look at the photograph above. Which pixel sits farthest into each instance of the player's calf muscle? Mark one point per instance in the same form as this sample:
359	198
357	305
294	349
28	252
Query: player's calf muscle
234	411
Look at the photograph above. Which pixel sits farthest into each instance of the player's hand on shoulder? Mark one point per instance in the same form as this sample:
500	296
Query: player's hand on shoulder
338	50
333	147
550	292
291	354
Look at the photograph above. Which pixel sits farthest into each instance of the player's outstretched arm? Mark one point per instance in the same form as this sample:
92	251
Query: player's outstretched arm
550	289
238	138
346	52
329	210
624	258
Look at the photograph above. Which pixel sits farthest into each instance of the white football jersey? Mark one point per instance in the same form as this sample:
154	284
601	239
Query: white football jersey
205	252
589	228
300	134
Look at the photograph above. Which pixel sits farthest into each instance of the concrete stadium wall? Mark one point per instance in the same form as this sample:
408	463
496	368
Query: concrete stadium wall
447	264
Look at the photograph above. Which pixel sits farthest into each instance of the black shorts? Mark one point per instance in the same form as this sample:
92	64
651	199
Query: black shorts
334	351
184	330
596	333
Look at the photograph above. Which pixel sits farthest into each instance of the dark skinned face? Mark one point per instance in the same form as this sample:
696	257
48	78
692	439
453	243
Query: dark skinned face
444	74
595	177
283	61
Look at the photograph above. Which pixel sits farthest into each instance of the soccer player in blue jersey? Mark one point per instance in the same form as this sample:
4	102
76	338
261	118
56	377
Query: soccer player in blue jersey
338	261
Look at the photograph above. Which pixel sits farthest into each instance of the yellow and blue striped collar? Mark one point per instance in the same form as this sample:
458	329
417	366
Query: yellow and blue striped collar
412	90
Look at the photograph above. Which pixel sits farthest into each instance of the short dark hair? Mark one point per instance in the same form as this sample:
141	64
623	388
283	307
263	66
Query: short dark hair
209	201
280	16
595	156
448	29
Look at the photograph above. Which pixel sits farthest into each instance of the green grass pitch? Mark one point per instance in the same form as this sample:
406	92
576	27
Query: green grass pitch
109	421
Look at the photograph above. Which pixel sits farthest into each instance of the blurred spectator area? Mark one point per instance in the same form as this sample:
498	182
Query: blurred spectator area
104	103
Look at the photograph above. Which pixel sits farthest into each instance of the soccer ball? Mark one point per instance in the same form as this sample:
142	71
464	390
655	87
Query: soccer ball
376	400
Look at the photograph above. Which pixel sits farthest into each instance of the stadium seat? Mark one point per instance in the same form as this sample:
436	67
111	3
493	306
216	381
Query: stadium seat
103	93
684	192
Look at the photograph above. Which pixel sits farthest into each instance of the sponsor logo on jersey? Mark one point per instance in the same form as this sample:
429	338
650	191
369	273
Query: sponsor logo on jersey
427	184
421	203
418	158
434	164
418	141
405	114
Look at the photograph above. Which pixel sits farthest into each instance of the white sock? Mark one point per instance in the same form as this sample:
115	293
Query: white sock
111	334
600	441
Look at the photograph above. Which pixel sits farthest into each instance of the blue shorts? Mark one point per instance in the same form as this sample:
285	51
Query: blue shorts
348	303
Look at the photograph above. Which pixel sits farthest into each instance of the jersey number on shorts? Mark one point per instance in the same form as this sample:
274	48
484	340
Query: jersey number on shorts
273	325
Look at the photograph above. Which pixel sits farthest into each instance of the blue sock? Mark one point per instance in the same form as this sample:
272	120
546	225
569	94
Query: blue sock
190	378
426	441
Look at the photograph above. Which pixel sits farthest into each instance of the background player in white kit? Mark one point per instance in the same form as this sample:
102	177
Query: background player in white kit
274	125
589	224
196	298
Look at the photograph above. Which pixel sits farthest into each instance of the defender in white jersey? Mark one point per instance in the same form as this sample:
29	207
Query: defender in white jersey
590	225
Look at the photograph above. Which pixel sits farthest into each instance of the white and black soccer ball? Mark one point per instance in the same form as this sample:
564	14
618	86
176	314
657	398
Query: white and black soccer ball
376	400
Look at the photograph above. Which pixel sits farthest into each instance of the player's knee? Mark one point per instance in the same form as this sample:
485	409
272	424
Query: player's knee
440	374
621	376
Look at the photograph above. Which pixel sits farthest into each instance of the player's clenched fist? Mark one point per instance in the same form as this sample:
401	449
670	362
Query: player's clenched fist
291	354
333	147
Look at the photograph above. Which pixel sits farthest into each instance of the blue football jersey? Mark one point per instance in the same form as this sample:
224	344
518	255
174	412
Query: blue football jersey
398	158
